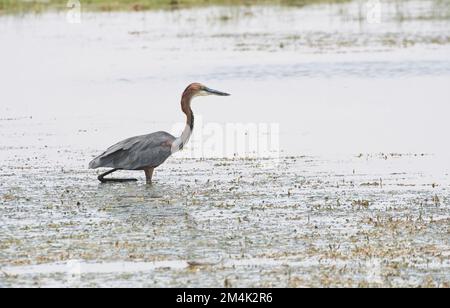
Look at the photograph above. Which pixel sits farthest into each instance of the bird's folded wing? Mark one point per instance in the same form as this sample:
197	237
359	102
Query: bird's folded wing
136	152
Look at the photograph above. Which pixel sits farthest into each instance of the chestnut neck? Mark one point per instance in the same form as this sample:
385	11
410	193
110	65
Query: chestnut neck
181	141
186	108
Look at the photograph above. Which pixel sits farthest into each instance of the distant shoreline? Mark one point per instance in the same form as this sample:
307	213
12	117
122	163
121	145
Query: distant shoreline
36	6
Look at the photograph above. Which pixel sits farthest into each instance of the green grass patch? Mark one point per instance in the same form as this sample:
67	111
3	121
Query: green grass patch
9	6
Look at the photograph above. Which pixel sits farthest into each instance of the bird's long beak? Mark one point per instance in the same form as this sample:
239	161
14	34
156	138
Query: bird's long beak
215	92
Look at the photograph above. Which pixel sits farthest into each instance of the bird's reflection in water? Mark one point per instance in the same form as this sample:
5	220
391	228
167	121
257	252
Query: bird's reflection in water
147	212
142	202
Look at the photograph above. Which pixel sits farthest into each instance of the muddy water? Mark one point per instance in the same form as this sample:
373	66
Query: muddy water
321	215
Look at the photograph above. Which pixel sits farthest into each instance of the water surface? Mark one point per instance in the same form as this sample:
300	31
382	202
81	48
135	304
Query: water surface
358	196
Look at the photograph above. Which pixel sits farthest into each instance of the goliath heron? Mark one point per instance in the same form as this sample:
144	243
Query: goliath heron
147	152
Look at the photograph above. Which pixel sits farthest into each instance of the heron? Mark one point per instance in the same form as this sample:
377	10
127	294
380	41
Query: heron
147	152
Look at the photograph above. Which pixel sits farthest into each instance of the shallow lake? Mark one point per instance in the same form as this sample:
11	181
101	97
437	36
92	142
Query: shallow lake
357	192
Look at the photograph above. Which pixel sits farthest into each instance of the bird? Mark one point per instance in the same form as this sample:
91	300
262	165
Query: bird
147	152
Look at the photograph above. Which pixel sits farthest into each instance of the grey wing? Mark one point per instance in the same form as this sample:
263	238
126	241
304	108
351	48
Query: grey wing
136	153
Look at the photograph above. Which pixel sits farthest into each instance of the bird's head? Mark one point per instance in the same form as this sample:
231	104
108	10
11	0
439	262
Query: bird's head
197	89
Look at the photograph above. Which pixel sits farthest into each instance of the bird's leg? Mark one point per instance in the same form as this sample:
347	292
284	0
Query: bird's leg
149	174
102	179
